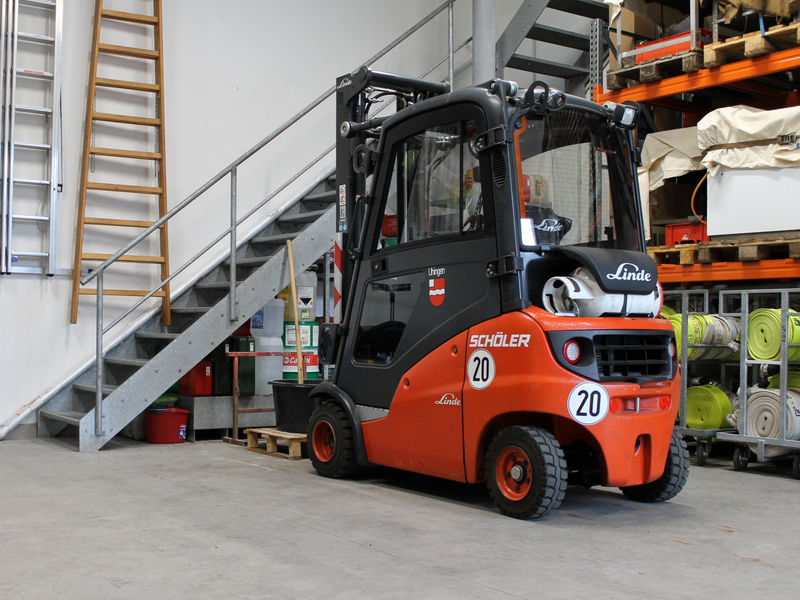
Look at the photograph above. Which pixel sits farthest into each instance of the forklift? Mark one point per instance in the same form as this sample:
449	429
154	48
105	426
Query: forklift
501	318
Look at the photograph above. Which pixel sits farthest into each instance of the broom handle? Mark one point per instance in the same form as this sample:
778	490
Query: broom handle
298	343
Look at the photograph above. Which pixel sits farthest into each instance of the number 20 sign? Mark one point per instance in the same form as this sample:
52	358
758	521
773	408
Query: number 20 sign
588	403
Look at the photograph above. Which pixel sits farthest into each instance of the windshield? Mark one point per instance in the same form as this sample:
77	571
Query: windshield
575	184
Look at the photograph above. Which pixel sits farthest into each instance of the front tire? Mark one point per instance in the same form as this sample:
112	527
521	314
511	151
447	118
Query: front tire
331	444
526	472
669	485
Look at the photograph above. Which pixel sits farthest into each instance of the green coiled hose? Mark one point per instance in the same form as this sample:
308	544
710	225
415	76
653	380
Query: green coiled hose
706	407
764	334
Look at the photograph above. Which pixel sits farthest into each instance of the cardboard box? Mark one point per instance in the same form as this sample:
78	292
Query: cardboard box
631	23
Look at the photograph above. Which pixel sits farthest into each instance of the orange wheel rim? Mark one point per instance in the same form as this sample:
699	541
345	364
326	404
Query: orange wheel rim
512	472
323	441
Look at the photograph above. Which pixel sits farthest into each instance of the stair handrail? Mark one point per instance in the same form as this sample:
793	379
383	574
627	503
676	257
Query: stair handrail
98	272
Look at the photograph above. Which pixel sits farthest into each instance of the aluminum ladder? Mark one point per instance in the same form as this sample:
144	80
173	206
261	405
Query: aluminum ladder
31	134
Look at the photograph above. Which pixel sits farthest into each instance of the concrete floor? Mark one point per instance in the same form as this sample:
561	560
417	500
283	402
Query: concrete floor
210	520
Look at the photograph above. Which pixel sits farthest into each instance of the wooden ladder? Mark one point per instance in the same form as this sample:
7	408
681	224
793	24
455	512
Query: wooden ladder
108	200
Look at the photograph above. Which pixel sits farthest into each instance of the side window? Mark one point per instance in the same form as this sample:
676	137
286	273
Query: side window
435	186
387	307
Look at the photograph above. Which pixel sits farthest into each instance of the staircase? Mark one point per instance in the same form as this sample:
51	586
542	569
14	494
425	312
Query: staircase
577	75
145	364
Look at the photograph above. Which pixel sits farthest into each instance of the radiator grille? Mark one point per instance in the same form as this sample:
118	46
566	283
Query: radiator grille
632	355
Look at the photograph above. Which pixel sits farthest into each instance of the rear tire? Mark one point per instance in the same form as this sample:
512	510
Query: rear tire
676	472
331	443
526	472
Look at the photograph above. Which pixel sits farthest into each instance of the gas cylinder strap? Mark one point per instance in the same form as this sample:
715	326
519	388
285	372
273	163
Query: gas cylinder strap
789	138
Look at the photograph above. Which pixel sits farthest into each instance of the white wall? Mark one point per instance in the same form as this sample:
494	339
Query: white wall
234	71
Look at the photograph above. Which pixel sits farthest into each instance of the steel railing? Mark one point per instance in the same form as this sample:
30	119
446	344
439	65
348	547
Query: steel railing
232	170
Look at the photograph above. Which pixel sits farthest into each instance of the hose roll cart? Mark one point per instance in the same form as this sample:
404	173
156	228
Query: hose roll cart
750	445
690	301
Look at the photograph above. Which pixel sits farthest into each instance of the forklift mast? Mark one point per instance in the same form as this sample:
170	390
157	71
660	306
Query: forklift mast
356	138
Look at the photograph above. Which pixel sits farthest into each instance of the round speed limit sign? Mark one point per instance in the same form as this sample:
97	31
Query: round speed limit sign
480	369
588	403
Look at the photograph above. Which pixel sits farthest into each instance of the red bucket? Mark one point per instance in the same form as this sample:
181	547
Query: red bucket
165	425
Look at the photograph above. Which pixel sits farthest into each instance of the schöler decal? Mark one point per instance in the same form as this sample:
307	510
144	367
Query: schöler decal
500	340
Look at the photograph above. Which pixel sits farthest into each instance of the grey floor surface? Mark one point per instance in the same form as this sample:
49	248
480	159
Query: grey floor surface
210	520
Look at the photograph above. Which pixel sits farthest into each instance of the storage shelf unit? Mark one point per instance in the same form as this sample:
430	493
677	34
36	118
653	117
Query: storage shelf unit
788	268
737	77
703	436
746	301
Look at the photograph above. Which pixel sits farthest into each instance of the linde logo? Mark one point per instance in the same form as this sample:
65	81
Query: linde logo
450	399
552	225
435	271
344	83
629	272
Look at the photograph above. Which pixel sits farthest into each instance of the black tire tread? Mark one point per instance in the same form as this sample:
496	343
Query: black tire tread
343	463
669	485
552	464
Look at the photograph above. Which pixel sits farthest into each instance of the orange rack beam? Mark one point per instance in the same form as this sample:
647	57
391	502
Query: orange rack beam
723	76
787	268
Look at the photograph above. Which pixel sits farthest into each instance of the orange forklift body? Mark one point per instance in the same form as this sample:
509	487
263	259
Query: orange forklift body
440	425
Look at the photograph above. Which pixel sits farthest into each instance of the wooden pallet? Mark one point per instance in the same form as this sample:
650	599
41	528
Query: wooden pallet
271	436
655	69
729	251
684	254
751	45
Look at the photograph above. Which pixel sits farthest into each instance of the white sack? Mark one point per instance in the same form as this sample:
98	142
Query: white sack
736	124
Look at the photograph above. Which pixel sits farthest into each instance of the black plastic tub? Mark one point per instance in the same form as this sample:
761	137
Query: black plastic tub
293	407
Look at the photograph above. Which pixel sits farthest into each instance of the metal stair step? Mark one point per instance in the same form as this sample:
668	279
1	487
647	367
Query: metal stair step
321	197
583	8
127	362
559	37
90	389
545	67
279	238
214	285
158	336
251	261
70	417
306	217
190	310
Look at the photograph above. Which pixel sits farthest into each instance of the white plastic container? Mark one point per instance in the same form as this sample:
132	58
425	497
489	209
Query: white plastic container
306	284
268	320
268	367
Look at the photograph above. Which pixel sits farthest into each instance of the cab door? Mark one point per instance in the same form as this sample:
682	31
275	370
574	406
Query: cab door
422	284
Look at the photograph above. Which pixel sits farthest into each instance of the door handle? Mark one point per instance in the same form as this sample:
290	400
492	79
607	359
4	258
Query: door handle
379	266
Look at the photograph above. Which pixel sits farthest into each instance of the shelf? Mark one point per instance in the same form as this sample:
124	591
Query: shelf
734	76
788	268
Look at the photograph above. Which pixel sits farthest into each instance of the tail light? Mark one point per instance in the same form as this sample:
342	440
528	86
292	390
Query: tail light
572	352
664	402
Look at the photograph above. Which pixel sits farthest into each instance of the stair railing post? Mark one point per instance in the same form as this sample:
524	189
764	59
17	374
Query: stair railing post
450	45
98	396
232	295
